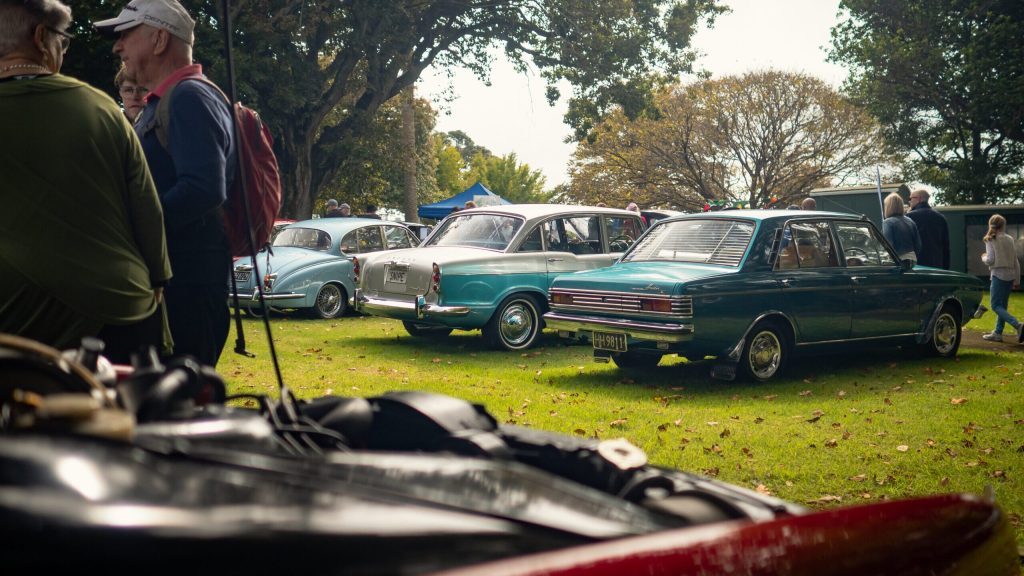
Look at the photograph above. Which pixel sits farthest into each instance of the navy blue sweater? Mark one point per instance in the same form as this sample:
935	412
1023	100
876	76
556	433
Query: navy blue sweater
193	176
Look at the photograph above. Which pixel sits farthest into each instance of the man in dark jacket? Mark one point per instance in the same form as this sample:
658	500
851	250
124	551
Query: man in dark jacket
193	171
934	231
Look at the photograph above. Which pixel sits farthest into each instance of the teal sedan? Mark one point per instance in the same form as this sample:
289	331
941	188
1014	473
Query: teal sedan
754	288
489	268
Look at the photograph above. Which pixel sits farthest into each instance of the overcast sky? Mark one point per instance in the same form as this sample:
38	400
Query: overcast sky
511	115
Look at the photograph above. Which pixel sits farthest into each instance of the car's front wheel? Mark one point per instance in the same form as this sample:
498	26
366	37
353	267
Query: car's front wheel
515	325
636	360
331	302
946	333
425	330
765	352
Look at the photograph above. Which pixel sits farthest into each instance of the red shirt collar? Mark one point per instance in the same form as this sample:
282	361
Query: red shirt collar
174	78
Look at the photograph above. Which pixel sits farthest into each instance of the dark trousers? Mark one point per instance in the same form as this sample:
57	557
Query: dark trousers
199	319
121	341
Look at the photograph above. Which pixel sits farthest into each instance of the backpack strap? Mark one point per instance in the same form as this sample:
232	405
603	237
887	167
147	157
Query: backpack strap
163	107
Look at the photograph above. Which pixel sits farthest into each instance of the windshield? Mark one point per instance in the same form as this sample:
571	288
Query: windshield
489	231
712	241
309	238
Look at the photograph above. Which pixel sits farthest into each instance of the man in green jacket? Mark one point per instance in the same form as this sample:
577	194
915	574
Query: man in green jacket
82	246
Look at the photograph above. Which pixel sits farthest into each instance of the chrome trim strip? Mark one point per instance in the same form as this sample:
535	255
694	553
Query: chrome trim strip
255	296
864	339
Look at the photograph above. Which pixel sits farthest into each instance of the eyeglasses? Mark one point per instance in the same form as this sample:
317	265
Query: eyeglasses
138	91
65	39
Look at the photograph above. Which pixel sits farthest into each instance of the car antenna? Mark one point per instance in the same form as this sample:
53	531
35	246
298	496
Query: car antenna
286	398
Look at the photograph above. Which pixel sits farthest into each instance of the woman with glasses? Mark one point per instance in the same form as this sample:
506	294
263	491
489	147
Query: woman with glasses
131	94
82	248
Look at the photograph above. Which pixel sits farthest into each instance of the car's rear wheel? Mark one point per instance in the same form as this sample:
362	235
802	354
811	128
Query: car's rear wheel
766	352
331	302
425	330
636	360
946	333
515	325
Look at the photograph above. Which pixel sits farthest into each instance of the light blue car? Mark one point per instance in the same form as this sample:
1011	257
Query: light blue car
309	266
489	268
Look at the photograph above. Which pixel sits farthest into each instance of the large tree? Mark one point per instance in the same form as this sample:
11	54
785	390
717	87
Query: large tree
761	138
506	177
946	79
298	61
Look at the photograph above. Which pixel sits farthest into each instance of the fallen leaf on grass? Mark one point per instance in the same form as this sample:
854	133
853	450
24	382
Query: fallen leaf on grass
762	489
831	443
618	423
725	433
825	499
903	448
957	401
579	432
805	393
859	477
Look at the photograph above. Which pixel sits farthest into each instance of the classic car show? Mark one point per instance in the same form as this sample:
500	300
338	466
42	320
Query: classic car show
513	288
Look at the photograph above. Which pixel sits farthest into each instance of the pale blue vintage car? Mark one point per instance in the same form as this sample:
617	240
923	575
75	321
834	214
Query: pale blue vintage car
489	268
309	265
753	288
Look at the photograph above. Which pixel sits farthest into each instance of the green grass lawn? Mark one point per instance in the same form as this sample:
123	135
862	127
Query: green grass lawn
835	431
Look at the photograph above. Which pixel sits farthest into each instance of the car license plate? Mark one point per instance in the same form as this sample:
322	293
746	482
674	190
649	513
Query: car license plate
242	276
395	275
609	341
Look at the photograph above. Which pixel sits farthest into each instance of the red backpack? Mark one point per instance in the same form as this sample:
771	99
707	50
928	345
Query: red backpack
257	165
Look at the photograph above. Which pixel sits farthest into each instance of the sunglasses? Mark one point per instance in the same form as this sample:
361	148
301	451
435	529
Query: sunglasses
65	38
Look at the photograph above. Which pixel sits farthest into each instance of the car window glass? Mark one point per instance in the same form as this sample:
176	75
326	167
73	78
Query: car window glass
532	242
370	239
491	231
398	237
622	232
309	238
711	241
807	245
862	246
582	234
554	236
349	243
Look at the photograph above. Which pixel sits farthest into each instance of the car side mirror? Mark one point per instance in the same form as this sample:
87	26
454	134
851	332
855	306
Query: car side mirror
906	265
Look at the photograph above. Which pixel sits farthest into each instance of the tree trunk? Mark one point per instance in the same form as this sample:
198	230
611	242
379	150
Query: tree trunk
296	175
410	198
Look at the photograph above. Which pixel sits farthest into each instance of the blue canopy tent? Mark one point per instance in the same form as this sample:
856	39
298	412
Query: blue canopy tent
439	210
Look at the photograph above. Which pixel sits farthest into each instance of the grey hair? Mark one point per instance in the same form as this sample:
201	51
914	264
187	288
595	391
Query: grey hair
19	18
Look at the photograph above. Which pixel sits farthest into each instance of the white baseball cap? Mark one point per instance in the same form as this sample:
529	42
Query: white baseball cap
166	14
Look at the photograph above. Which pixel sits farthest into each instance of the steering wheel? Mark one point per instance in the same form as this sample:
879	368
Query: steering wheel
620	243
856	253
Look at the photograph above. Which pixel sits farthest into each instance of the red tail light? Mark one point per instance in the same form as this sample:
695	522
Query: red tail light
355	269
561	298
435	279
656	305
268	281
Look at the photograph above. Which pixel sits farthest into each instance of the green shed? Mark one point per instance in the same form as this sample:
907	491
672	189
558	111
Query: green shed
967	226
858	199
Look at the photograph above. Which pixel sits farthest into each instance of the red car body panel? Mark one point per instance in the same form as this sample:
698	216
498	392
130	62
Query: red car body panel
951	534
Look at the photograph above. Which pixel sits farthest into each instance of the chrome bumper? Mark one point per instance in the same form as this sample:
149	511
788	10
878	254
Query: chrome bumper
418	307
649	331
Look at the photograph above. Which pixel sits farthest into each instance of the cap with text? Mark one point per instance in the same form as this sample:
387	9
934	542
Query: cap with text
166	14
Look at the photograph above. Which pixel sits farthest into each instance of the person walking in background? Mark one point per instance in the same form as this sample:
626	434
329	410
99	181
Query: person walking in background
193	166
82	247
131	94
899	230
934	231
1001	258
809	204
469	204
371	212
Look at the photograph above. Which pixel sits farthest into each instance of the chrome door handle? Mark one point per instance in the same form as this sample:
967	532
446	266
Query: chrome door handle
554	259
857	279
784	282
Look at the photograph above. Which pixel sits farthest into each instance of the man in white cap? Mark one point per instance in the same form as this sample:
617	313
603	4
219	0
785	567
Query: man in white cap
189	146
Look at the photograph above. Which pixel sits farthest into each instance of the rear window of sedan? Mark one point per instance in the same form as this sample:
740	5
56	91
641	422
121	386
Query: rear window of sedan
309	238
490	231
712	241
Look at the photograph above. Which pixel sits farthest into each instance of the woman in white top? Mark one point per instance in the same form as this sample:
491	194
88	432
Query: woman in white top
1001	258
